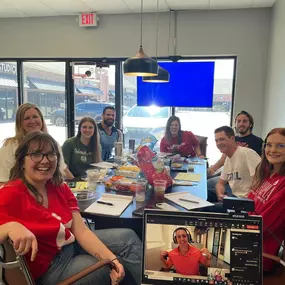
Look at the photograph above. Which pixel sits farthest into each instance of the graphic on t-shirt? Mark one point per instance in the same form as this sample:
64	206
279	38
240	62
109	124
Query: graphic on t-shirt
233	176
83	158
243	144
265	191
64	236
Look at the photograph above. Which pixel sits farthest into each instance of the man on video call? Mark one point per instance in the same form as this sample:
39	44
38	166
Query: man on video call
186	257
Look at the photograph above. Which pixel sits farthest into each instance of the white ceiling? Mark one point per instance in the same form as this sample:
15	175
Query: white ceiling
40	8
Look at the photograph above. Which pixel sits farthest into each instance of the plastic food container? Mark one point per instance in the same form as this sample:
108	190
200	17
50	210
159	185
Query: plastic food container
85	198
125	173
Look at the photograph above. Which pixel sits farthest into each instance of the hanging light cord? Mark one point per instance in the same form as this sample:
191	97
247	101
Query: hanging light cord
169	33
157	6
141	22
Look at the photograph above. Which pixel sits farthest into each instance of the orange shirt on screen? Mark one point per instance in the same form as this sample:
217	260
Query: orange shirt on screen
187	264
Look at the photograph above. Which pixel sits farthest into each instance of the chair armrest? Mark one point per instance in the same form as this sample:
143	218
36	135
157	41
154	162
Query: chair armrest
85	272
9	265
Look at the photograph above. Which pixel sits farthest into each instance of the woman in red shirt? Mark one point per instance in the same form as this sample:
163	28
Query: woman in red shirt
39	213
268	193
177	141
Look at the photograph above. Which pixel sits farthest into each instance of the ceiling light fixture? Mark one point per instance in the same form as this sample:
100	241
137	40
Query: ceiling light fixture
141	64
163	75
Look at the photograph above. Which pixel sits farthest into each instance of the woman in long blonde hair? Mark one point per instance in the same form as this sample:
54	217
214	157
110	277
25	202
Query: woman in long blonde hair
29	118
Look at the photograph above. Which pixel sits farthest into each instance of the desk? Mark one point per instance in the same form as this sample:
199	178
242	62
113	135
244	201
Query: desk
128	220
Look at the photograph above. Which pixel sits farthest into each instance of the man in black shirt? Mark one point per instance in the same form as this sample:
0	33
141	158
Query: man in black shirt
243	127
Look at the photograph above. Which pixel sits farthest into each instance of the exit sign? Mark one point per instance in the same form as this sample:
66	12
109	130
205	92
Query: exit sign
87	20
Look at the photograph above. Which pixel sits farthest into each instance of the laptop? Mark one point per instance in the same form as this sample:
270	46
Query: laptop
224	249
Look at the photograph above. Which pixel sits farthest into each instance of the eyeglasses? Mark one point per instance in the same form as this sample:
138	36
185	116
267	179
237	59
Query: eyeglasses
39	156
279	146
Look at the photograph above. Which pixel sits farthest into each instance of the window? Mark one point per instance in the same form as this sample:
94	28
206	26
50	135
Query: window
8	99
94	89
44	85
203	122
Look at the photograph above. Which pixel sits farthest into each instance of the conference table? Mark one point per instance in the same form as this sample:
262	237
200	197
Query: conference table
128	220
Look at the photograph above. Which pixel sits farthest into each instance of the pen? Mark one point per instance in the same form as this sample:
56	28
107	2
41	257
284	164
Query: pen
105	203
187	200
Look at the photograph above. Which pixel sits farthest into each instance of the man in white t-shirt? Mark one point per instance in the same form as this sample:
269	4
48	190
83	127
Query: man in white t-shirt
239	167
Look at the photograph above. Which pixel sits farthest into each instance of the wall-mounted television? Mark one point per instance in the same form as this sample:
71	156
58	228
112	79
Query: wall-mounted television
191	85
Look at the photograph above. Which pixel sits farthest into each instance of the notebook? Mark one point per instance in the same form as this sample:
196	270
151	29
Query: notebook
194	177
193	201
119	204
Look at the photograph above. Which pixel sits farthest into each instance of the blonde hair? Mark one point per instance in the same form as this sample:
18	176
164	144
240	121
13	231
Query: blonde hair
20	132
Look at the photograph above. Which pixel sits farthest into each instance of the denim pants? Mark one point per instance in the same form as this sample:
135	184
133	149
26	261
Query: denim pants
124	243
211	187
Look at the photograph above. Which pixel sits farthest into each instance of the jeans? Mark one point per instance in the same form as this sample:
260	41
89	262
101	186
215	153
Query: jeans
124	243
211	186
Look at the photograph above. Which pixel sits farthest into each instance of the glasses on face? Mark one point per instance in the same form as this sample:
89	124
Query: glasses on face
182	236
278	146
39	156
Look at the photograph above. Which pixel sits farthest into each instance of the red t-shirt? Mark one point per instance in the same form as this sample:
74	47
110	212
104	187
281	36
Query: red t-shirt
187	264
187	145
51	225
269	201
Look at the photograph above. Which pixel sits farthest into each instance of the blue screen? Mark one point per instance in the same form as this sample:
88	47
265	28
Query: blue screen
191	85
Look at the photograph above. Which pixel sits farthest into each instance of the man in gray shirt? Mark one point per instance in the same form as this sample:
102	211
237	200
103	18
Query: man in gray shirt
108	133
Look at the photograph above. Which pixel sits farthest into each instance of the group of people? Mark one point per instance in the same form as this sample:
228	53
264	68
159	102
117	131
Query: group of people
39	213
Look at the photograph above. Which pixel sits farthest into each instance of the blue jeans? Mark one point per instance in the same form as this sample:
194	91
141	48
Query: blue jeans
124	243
211	187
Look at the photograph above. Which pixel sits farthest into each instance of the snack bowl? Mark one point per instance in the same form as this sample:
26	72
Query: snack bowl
85	198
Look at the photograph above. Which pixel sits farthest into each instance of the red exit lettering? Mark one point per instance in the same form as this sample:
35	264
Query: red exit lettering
87	19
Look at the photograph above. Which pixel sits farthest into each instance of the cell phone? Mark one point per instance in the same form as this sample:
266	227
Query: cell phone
71	184
139	212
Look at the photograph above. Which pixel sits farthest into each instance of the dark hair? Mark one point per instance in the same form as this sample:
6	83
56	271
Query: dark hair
94	141
167	134
264	168
228	131
43	139
109	108
189	237
249	118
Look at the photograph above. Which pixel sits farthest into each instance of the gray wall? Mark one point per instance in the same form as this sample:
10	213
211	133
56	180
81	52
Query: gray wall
274	114
228	32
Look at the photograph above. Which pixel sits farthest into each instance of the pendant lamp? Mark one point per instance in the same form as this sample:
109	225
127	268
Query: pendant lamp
163	75
141	64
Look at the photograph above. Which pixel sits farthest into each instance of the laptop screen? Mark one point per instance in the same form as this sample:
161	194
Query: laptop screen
201	248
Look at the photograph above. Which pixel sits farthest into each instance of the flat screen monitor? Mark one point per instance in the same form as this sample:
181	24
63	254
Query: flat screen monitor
223	249
191	85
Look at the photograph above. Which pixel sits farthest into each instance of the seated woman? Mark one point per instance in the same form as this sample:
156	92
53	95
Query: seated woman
268	193
39	213
186	257
177	141
82	149
29	118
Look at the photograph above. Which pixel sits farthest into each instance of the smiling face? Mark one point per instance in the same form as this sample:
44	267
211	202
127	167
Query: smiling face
223	142
38	171
31	121
87	130
243	125
181	237
275	150
174	128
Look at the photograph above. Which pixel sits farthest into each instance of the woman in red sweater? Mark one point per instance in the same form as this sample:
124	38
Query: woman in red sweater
268	193
177	141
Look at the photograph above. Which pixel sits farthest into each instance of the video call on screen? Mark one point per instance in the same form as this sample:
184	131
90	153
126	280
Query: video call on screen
235	245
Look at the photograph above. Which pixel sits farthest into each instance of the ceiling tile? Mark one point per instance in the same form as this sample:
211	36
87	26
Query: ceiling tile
263	3
188	4
230	4
148	5
108	6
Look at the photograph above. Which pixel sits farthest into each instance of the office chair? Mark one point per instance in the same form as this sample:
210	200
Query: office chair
16	272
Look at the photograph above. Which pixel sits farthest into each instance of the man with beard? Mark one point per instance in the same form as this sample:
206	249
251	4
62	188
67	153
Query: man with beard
244	137
108	133
239	167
